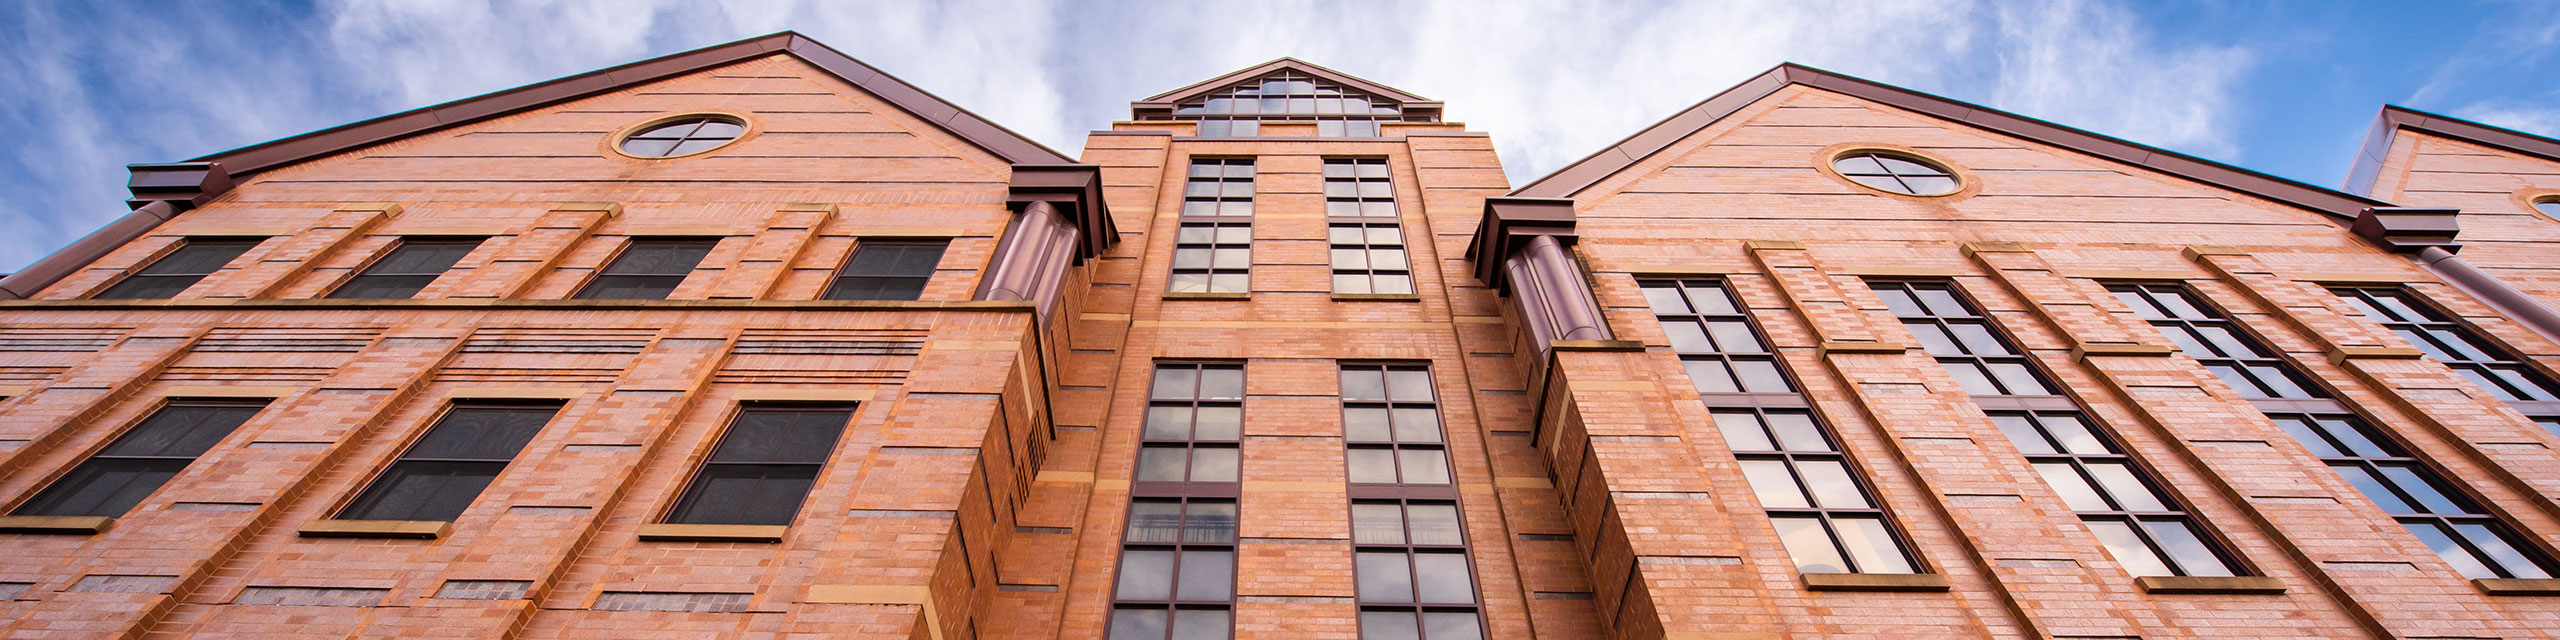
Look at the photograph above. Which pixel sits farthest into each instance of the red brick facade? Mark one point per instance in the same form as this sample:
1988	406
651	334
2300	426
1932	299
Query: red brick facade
983	487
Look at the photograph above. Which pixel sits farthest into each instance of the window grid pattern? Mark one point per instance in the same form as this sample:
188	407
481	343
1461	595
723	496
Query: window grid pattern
648	269
2147	530
1413	572
1822	507
887	270
1213	245
2450	522
1391	427
2492	367
763	466
1895	173
1176	579
182	267
1358	188
438	476
1338	111
407	268
2217	342
683	137
1366	239
135	464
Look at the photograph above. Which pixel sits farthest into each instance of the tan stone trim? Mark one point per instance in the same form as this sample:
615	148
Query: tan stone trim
518	393
1899	272
407	529
1641	271
72	525
2340	355
2131	274
1615	385
1523	482
767	394
2198	252
1995	246
1205	295
669	532
2518	586
1595	345
914	233
866	594
1772	245
1073	477
610	209
2359	279
1105	317
1875	582
828	207
2082	350
1377	297
12	391
2214	585
1277	486
229	391
386	208
1111	484
1829	347
974	345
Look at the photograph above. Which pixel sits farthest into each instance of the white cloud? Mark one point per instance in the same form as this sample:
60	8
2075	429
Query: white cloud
2093	66
2533	119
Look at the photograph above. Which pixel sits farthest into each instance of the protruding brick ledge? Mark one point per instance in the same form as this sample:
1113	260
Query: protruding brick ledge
1875	582
2082	350
2518	586
665	532
67	525
401	529
2341	355
2211	585
1829	347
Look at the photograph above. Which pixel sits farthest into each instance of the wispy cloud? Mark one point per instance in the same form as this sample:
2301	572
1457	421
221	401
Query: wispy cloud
2093	66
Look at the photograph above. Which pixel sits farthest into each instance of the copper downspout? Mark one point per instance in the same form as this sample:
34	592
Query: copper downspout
2496	293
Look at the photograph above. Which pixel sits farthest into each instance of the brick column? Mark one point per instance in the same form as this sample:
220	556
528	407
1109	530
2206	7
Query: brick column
766	256
518	261
278	262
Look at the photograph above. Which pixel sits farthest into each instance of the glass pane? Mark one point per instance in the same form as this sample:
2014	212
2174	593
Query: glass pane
1434	524
1770	481
776	435
1858	164
2130	493
1388	625
648	148
2353	435
1735	337
1227	283
1760	376
1423	466
1350	259
2373	489
1221	383
1665	300
2282	385
2074	490
1871	545
1155	521
1371	466
1137	624
2533	389
2141	306
2490	543
2427	493
1339	168
2309	436
2179	540
1218	424
1930	185
1709	376
2441	541
498	433
2018	379
1742	431
1378	208
423	256
1943	304
1900	303
1711	301
412	490
1832	487
2023	433
1383	577
2128	549
1364	384
1390	259
1393	283
2229	345
1417	425
1201	624
1188	283
101	487
1933	339
696	146
1809	546
1364	424
1161	464
1207	575
1146	575
1213	465
1970	378
1688	337
1451	625
1351	283
181	430
2187	342
1377	523
1443	578
1210	521
1176	383
1796	431
2176	304
1407	385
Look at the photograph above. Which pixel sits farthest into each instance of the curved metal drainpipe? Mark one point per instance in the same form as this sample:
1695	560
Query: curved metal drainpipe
160	192
2499	295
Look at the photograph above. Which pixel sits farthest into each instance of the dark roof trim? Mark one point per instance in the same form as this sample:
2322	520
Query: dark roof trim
2386	130
985	134
1166	101
1572	179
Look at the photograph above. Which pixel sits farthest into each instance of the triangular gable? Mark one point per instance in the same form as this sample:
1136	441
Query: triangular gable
1161	106
1574	178
2388	124
977	131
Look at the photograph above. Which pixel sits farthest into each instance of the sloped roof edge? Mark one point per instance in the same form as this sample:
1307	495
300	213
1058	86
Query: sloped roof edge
1573	178
2393	118
1195	89
978	131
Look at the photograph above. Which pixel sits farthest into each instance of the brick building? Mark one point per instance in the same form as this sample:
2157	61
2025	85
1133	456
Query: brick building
758	341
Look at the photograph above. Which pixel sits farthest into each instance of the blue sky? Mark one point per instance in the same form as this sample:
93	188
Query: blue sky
2287	88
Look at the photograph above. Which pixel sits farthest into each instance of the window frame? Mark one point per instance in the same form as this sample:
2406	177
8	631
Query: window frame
1410	550
367	491
688	492
1174	604
1220	112
133	275
1360	223
622	140
844	271
1396	448
1191	442
257	407
2252	369
371	270
2399	455
589	290
1901	184
2433	320
1218	219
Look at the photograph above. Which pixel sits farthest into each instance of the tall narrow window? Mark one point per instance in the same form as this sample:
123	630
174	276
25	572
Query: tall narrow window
649	269
1391	422
1213	247
764	465
2145	528
439	476
407	269
2495	369
887	270
2216	342
1367	241
135	464
194	259
1414	580
1823	509
1358	188
1177	561
2450	522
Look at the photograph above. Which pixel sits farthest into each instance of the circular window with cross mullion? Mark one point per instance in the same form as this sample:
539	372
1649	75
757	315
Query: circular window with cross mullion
1896	173
2550	207
683	136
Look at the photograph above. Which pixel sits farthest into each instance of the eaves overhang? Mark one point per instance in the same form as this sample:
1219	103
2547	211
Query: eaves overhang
2388	124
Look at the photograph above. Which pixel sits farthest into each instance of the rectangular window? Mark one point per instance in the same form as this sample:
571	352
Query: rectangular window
1195	420
2147	530
1213	248
887	270
135	464
2494	368
407	268
1358	188
2450	522
1367	241
439	476
194	259
2215	341
1219	187
649	269
1824	511
1391	424
1177	562
1411	567
763	466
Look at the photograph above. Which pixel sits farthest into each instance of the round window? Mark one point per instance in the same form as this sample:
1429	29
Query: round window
2548	207
683	136
1896	173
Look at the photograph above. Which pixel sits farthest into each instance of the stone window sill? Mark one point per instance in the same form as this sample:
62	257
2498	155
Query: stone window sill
666	532
1202	295
401	529
2214	585
62	525
1377	297
1875	582
2518	586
